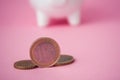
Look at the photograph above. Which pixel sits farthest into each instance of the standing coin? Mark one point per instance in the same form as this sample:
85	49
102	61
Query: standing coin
45	52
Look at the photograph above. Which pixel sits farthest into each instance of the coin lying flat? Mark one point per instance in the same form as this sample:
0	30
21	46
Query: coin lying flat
45	52
24	64
64	59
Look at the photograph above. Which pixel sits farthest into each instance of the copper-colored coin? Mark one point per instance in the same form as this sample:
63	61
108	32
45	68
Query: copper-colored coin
64	59
24	64
45	52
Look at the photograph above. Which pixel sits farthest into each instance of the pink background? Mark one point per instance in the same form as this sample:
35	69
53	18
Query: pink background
95	44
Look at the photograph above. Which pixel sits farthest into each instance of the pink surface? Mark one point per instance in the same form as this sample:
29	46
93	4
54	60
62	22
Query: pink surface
95	44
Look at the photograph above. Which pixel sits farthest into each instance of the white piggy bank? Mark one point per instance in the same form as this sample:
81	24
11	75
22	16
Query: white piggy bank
57	9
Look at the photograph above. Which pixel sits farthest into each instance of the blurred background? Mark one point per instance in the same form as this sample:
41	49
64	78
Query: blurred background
22	14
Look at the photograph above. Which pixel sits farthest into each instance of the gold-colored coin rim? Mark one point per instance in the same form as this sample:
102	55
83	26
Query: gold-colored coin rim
39	41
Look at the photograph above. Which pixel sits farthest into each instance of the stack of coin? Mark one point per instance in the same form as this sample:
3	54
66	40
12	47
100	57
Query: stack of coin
44	52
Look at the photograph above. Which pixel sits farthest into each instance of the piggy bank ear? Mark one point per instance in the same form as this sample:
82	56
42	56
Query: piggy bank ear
40	3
